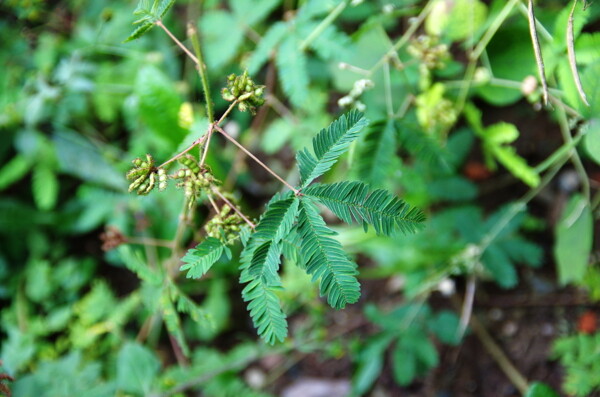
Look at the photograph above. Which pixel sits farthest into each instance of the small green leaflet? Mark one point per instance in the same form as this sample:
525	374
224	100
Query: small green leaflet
329	145
198	261
148	16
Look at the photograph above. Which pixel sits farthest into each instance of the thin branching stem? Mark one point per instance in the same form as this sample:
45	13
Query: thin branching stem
572	58
537	50
253	157
414	25
233	207
213	204
179	43
205	151
201	67
224	115
498	21
328	20
197	142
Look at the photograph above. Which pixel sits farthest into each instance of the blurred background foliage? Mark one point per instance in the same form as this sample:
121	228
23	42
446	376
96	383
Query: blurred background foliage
457	128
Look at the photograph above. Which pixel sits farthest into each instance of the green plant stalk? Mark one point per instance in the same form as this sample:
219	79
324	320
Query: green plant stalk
576	160
201	67
415	24
332	16
572	58
561	152
504	13
537	50
388	90
540	28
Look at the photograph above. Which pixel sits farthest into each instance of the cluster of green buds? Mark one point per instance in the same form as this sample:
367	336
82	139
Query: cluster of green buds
195	178
145	176
429	51
224	226
245	91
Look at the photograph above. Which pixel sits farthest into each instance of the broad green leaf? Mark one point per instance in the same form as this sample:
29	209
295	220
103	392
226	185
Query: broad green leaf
445	325
539	389
276	135
325	259
329	145
197	261
498	264
587	48
45	187
500	133
574	236
592	140
591	86
14	170
293	71
404	365
370	363
159	104
353	201
137	369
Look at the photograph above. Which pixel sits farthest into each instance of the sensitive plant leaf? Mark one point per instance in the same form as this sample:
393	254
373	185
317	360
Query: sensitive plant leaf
574	237
376	152
354	202
139	31
14	170
45	187
329	145
370	363
163	7
135	263
266	45
404	365
293	70
260	264
172	320
325	259
265	311
197	261
445	325
137	368
501	133
331	44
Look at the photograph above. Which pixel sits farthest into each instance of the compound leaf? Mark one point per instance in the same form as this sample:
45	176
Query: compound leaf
328	145
353	201
325	259
197	261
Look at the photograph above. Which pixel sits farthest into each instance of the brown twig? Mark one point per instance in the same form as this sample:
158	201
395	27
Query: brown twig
253	157
233	207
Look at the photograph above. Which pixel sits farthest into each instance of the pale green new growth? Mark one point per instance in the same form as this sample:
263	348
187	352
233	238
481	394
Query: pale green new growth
148	16
197	261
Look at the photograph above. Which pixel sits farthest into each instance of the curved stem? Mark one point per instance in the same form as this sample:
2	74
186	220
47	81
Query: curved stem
201	67
323	25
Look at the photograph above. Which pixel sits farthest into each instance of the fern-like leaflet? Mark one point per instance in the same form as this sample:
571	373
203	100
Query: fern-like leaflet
329	145
324	258
148	16
197	261
260	264
353	201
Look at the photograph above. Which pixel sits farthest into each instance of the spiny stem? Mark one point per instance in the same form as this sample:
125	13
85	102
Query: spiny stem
229	109
201	67
205	151
253	157
179	43
233	207
323	25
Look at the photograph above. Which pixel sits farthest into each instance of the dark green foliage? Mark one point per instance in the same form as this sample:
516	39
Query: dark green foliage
325	259
148	16
354	201
377	152
329	145
197	261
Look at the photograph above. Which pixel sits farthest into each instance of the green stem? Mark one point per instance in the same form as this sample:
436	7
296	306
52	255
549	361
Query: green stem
201	67
388	90
493	29
323	25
